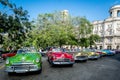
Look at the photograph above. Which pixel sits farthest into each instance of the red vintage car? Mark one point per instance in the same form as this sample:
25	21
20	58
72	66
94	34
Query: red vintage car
9	54
56	56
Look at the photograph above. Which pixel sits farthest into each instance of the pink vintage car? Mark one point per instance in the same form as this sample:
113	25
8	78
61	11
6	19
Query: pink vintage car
56	56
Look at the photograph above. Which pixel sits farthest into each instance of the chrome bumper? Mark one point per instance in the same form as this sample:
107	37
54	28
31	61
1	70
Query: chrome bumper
62	63
81	59
22	69
93	57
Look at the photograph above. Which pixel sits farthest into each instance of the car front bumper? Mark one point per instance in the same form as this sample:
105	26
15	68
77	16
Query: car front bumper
22	69
93	57
62	63
110	54
81	58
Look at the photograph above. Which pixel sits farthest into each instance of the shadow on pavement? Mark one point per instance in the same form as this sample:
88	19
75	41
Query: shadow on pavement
23	74
116	57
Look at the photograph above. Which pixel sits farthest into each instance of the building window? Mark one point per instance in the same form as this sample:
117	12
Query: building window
100	47
118	27
101	40
109	29
109	39
118	14
110	32
117	47
109	47
110	14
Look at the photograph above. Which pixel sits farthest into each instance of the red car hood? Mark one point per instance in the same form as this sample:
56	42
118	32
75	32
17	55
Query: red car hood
61	55
8	54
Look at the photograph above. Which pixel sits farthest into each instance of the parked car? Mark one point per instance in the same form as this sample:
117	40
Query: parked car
26	60
80	56
116	51
56	56
91	54
1	59
101	53
9	54
109	52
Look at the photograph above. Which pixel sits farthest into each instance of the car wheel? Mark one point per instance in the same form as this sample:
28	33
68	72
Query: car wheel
71	65
39	71
51	64
84	60
4	58
48	60
10	73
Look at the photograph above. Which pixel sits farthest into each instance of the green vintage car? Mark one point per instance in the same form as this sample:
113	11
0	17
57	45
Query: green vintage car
26	60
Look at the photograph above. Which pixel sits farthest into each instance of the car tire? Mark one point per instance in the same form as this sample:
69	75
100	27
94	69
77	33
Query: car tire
51	64
10	73
39	71
96	59
84	60
4	58
71	65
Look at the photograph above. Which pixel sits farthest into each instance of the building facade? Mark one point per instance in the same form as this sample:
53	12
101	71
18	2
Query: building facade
109	30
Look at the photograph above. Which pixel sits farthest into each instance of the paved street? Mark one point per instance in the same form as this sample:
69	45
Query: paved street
106	68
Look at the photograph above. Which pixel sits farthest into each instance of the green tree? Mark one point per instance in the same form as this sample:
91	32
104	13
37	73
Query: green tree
16	24
51	30
94	38
83	30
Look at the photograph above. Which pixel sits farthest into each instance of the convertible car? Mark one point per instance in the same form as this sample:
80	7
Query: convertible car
92	54
26	60
80	56
108	52
9	54
56	56
101	53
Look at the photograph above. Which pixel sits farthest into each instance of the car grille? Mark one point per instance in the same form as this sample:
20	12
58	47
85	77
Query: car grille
94	55
63	60
22	63
80	56
23	66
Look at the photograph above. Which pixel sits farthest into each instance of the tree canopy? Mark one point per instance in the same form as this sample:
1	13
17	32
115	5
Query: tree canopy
14	24
49	29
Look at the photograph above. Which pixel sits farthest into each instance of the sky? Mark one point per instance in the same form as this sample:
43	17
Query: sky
91	9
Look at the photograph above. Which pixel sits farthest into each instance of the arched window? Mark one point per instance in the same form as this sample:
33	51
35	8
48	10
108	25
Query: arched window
110	14
118	13
100	47
117	47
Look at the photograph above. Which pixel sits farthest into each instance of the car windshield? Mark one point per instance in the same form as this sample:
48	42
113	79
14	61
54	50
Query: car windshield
86	50
27	50
56	50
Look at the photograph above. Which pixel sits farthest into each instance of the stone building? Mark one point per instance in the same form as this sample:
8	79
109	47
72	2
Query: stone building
109	30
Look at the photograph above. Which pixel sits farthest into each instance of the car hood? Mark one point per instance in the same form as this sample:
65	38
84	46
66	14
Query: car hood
27	57
80	54
92	53
62	54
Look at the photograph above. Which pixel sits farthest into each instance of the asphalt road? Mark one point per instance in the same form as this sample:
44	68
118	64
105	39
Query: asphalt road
106	68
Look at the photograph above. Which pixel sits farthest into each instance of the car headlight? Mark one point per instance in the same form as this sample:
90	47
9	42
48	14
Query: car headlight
7	61
37	60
